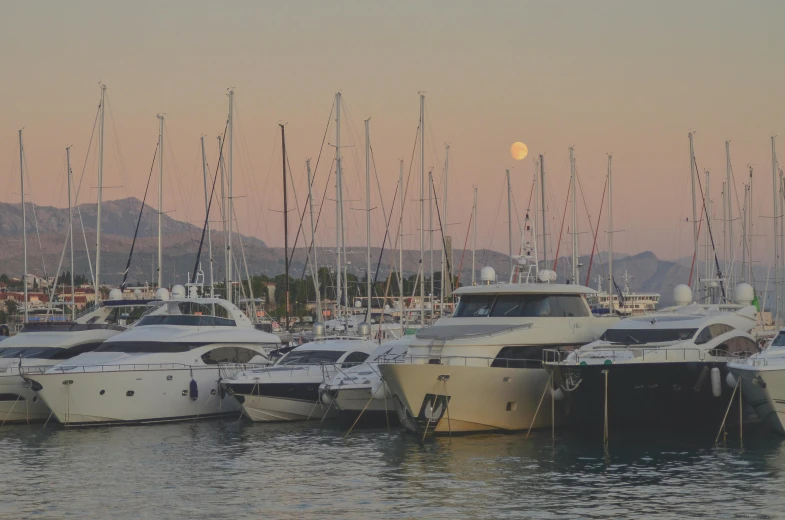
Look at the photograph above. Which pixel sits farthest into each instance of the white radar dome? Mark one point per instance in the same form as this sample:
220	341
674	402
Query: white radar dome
116	294
682	294
546	275
162	294
744	294
178	292
488	275
358	304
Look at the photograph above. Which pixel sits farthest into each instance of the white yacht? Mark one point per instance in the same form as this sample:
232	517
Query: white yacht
289	390
481	370
663	369
762	379
41	345
360	389
626	303
165	368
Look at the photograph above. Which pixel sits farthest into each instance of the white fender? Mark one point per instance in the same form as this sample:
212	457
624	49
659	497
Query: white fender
558	394
716	386
379	390
730	380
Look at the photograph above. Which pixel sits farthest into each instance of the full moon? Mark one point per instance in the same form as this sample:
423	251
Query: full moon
519	151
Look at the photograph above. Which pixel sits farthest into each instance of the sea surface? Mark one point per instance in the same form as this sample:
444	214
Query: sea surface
228	470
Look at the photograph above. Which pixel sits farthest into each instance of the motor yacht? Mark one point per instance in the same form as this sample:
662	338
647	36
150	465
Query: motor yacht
41	345
481	369
289	390
663	369
360	389
166	368
762	382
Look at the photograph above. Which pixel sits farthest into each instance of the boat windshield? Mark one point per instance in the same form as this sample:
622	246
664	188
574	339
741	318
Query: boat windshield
48	352
522	306
778	341
311	357
185	319
641	336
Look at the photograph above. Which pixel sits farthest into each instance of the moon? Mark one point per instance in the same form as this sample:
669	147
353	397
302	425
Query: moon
519	151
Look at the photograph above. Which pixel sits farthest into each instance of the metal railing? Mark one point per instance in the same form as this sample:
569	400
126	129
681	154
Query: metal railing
473	361
613	353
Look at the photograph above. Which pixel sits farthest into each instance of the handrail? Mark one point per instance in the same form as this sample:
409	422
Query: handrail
553	356
487	361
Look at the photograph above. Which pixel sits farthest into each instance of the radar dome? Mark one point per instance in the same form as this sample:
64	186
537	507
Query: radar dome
358	304
547	275
363	329
682	294
178	292
318	329
162	294
744	294
116	294
488	275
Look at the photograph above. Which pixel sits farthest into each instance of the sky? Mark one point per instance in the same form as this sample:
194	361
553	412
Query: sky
630	78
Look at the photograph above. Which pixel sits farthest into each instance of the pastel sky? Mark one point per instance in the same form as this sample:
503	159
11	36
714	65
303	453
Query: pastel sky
627	77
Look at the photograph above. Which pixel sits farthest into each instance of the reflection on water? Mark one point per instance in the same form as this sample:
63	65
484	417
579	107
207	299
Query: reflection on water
228	470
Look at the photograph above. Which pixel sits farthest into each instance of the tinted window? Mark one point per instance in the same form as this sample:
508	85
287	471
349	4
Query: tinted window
712	331
539	306
737	345
68	353
145	346
311	357
639	336
355	358
183	319
779	341
228	355
518	357
472	305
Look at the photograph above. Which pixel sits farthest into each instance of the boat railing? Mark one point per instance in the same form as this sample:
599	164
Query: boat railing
473	361
680	354
258	371
122	367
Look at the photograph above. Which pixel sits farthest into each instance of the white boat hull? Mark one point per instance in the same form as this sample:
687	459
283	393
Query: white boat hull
764	390
276	409
18	402
355	400
463	399
134	396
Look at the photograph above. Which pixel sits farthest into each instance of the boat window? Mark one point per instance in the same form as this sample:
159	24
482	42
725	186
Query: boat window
355	358
311	357
737	345
132	347
184	319
68	353
474	305
712	331
778	341
518	357
228	355
539	306
640	336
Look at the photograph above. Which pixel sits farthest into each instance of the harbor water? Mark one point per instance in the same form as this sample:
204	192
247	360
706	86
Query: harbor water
232	470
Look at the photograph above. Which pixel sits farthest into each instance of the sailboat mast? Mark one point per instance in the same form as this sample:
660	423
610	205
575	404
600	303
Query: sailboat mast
227	288
611	306
445	278
230	202
749	229
24	217
574	219
776	231
400	249
100	195
207	218
314	262
729	201
474	237
285	226
338	205
744	234
707	241
70	230
422	209
430	235
368	216
160	195
509	223
694	210
542	194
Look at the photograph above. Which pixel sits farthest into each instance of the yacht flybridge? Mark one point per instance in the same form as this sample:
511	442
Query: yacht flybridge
41	345
165	368
665	368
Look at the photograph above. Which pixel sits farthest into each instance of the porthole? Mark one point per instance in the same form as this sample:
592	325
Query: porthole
168	378
102	392
185	392
129	393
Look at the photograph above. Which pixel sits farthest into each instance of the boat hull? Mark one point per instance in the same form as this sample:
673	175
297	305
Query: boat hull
18	402
667	394
446	399
259	408
133	396
764	391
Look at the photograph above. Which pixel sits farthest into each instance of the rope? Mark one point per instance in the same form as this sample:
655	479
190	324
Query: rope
358	417
722	426
542	398
596	230
563	217
10	411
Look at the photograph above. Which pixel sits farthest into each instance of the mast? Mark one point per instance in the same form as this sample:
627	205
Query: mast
430	234
368	216
338	204
227	288
509	224
744	234
445	279
100	194
160	195
70	230
731	269
422	209
542	193
707	252
285	225
314	263
24	216
400	249
474	237
776	231
574	219
610	235
694	211
749	229
230	186
207	218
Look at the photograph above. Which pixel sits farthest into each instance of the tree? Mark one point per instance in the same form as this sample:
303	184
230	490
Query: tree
11	306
